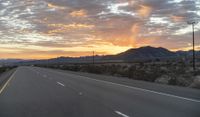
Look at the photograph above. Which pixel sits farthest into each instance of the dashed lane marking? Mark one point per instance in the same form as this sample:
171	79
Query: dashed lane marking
121	114
60	84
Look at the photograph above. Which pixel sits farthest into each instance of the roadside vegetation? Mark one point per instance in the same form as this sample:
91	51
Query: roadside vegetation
170	73
6	68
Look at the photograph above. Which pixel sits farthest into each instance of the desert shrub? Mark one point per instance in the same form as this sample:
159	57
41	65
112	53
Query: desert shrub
6	68
145	73
196	82
184	81
2	69
92	69
172	81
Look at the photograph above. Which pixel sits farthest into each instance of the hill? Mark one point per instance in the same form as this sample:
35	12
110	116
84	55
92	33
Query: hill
147	52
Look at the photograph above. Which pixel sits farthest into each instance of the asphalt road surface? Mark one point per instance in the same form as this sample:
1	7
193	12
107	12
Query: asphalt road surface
39	92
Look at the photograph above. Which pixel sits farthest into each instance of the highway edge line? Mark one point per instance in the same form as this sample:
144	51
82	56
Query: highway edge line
7	82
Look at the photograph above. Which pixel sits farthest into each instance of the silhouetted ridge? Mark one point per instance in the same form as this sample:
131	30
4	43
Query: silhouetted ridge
147	52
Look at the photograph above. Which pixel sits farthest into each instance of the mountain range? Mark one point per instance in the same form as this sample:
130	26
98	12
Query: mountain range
2	61
135	54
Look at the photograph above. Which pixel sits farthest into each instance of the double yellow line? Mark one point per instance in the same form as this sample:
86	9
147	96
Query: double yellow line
7	82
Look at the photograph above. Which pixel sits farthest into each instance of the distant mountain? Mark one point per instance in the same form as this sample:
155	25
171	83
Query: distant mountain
142	53
187	53
147	52
11	61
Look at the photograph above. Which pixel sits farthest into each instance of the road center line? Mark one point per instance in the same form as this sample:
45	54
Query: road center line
60	84
119	113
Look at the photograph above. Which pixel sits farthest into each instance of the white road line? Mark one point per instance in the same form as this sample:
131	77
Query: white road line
146	90
119	113
4	86
60	84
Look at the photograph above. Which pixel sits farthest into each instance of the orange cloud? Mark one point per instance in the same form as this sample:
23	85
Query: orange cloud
52	6
124	42
141	41
125	37
135	30
177	18
61	28
146	41
144	11
120	39
131	2
72	26
79	13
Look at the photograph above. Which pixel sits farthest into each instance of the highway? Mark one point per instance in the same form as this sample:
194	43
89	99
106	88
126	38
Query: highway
40	92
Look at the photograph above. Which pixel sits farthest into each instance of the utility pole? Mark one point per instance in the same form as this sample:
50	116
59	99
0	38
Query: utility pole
193	23
93	58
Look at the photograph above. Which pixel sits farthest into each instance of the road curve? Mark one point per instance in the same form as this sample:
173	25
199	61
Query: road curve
39	92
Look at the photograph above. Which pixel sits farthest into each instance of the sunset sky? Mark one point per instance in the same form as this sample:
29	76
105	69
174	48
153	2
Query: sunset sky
40	29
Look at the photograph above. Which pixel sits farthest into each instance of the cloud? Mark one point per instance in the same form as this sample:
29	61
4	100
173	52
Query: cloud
107	24
144	11
177	18
63	28
79	13
135	29
53	6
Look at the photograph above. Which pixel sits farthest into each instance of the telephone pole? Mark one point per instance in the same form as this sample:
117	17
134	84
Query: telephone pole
193	23
93	58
